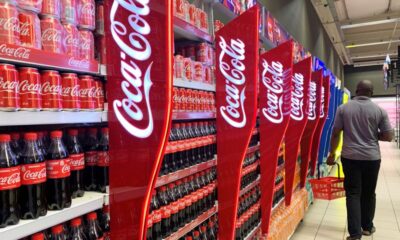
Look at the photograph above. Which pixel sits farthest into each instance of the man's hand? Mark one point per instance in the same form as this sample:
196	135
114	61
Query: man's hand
331	159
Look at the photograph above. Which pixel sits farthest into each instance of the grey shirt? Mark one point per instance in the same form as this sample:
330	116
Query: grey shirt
361	120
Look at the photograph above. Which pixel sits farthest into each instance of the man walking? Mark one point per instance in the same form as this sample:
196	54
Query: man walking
363	124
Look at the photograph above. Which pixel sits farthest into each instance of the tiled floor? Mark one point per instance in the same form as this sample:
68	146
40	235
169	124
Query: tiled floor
326	220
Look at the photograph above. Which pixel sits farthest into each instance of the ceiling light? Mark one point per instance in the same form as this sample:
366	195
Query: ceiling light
366	64
371	44
365	24
372	56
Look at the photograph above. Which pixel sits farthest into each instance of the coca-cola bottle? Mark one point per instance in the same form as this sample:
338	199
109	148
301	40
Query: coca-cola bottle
77	158
15	144
90	147
57	233
103	160
93	229
40	142
38	236
58	168
104	221
32	199
10	182
76	232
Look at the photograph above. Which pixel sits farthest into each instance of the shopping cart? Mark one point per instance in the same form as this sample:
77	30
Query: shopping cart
328	188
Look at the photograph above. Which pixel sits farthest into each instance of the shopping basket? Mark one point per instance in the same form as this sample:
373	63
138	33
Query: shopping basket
328	188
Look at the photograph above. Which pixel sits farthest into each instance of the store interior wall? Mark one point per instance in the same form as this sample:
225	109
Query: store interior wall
374	73
302	22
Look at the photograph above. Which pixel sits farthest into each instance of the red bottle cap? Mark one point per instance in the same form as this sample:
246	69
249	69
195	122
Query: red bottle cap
91	216
196	233
211	224
57	229
76	222
188	238
92	131
179	182
15	136
55	134
203	228
171	185
73	132
105	130
37	236
30	136
5	138
163	188
176	125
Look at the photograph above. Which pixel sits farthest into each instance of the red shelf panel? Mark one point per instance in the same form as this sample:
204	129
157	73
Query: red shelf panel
254	233
253	149
193	224
172	177
193	115
39	58
186	30
249	187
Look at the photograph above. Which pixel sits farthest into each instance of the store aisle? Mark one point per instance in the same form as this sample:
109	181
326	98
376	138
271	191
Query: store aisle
327	220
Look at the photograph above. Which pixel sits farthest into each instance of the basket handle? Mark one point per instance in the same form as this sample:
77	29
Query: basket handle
337	164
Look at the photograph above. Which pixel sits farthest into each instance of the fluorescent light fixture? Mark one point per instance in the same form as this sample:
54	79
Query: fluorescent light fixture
366	64
372	56
365	24
371	44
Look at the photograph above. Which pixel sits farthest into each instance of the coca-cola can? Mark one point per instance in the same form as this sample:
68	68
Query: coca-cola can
198	71
30	34
9	23
183	99
188	66
179	68
99	96
51	8
179	9
71	40
30	89
86	45
31	5
52	33
86	14
70	92
100	18
189	94
207	75
51	91
175	99
9	96
201	52
87	93
68	12
192	14
190	52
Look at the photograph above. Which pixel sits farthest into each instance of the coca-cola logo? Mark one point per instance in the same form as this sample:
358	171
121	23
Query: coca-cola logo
50	89
71	41
313	101
273	110
71	91
88	92
233	109
85	44
99	92
80	63
134	47
51	35
25	87
66	168
33	175
12	179
88	9
25	28
10	24
297	97
77	162
16	52
8	86
322	113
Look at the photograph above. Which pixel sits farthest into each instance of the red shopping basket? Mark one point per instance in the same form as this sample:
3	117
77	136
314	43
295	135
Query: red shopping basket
328	188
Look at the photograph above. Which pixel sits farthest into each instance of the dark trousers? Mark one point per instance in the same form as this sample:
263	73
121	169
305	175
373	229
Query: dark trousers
360	184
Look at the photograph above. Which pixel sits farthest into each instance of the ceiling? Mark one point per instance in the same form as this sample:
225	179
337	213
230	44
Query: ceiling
362	31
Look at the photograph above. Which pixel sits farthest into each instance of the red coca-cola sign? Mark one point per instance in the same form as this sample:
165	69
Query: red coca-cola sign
33	173
10	178
298	119
236	76
275	105
139	86
313	119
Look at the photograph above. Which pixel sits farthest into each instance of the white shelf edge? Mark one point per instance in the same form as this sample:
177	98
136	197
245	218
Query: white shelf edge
89	202
251	235
180	82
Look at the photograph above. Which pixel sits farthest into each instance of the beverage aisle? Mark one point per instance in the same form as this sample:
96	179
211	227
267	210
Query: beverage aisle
327	220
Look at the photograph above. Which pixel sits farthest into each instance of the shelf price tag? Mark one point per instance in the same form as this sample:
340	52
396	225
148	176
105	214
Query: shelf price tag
236	93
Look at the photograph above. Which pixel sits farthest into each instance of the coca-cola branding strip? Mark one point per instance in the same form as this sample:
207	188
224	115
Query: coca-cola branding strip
236	93
60	168
325	93
103	159
140	88
91	158
298	119
77	161
33	173
275	105
10	178
313	119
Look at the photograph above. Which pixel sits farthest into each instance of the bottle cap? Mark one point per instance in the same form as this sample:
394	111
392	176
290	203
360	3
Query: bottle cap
196	233
55	134
30	136
163	188
105	130
37	236
15	136
57	229
203	228
76	222
188	238
5	138
91	216
171	185
73	132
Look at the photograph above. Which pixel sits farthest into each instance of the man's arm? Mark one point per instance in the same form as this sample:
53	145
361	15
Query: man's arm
386	132
386	136
335	139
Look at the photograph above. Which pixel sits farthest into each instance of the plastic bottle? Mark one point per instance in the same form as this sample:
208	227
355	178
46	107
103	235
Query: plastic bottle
77	157
76	232
103	160
93	228
15	144
57	233
90	147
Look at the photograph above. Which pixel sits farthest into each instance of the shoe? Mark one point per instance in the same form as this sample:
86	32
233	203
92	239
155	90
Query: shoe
353	238
370	232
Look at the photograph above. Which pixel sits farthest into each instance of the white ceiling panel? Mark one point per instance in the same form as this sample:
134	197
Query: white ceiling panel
365	8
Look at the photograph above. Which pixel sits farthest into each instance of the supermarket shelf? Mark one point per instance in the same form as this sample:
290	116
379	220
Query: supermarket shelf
185	30
172	177
221	10
190	226
253	149
89	202
184	83
250	168
249	187
193	115
38	58
253	233
267	43
21	118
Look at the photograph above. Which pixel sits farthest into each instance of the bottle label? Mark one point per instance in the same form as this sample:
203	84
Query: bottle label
77	161
91	158
10	178
58	168
33	173
103	159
